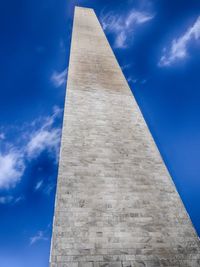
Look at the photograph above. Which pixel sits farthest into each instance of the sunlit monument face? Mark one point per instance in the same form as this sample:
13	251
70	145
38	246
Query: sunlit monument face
116	204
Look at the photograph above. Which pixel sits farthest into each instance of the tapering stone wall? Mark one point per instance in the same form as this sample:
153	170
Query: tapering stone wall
116	204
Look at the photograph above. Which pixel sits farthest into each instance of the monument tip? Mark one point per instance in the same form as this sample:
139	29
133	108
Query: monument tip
83	8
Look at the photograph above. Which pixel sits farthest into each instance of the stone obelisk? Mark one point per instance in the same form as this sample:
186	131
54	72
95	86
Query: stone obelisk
116	204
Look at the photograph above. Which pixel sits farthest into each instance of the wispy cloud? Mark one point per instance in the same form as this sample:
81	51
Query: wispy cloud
45	187
10	199
123	26
130	79
11	169
59	78
6	199
19	199
43	139
126	66
49	188
40	135
47	137
2	136
179	46
40	236
38	185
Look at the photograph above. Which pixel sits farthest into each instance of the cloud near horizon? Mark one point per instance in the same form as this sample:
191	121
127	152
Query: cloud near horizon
123	26
178	47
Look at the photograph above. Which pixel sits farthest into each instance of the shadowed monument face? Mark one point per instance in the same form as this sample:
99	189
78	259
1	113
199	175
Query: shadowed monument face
116	204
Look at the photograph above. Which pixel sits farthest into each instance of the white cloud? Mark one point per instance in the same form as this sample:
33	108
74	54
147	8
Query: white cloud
47	137
40	135
137	17
43	140
40	236
178	47
49	121
123	26
59	78
11	169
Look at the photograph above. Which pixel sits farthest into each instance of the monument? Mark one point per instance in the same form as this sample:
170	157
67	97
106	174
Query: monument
116	204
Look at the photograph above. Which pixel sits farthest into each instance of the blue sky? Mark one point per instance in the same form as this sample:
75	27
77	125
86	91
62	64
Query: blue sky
157	44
